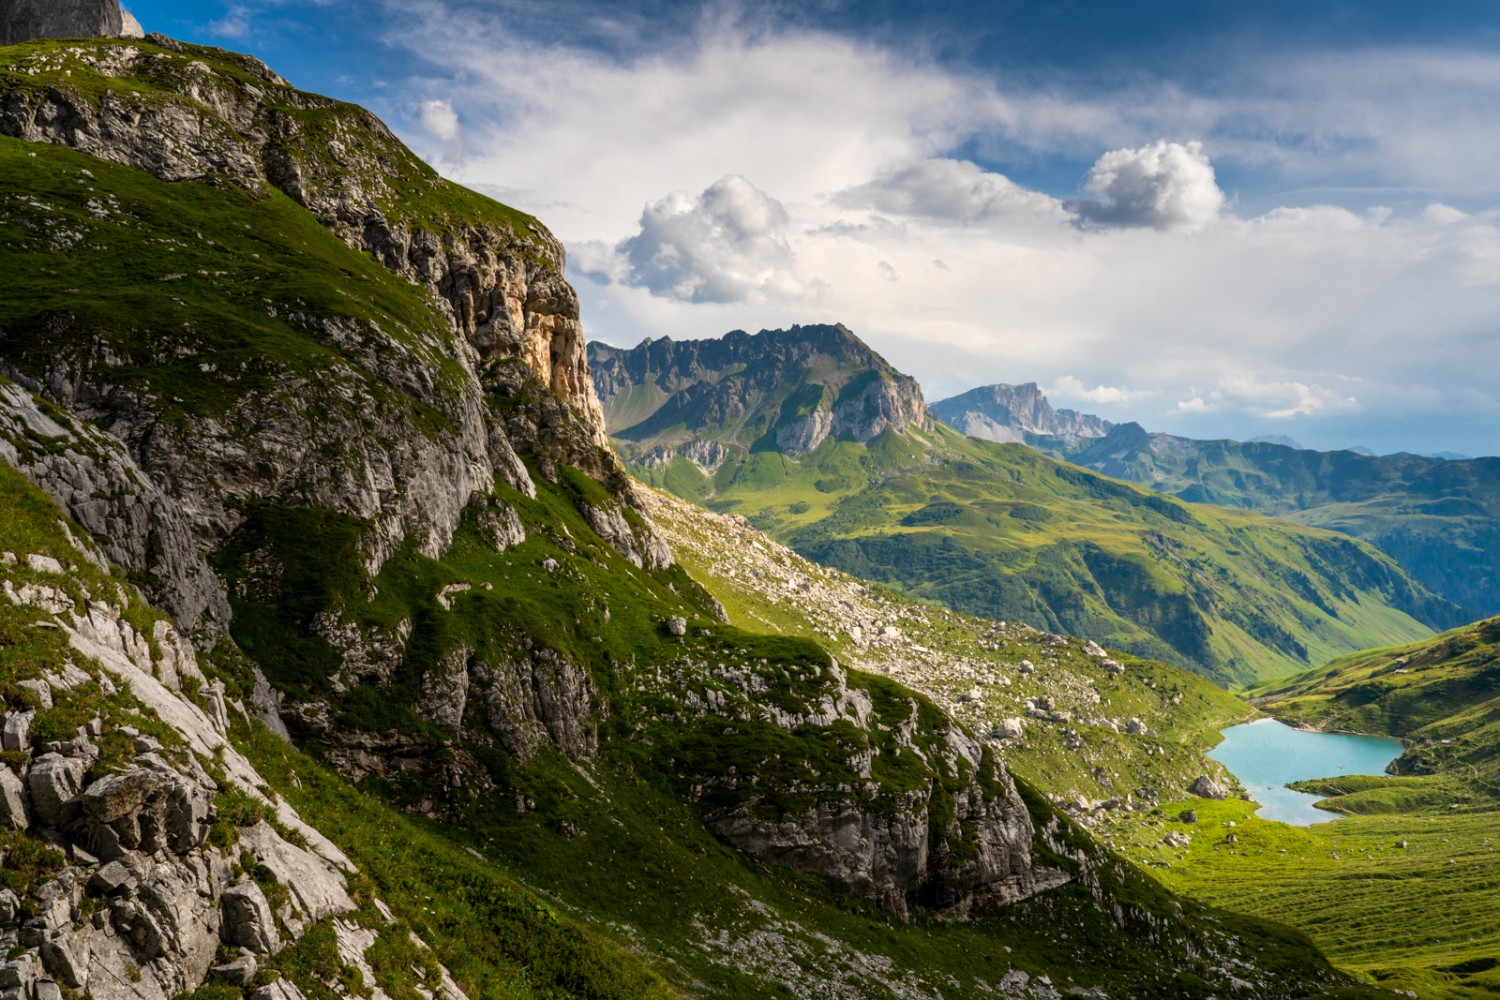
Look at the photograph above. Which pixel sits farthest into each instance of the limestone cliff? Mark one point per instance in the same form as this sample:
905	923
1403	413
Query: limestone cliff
24	20
1016	413
143	854
408	420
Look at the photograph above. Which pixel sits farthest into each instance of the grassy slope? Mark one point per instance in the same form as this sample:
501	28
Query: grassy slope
636	857
1439	519
1402	915
113	259
1002	531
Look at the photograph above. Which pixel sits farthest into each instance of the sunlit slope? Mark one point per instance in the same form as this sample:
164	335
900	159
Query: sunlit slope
1004	532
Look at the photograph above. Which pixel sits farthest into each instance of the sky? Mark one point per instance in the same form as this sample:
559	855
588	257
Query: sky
1216	219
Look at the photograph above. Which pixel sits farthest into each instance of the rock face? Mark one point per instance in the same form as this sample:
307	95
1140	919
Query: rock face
1014	413
793	389
136	900
24	20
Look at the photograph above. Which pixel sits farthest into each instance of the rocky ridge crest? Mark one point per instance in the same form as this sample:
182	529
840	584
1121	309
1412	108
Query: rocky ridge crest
1016	413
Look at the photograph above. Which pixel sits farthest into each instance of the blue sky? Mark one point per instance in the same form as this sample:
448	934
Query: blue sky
1219	219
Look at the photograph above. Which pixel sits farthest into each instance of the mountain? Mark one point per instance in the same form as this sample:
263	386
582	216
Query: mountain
1439	518
308	510
24	20
779	390
1015	413
1281	439
1000	530
1436	515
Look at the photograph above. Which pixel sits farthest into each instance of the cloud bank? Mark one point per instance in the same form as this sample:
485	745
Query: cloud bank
746	176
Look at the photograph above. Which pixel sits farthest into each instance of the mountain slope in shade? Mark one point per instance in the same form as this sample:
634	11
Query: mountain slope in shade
1000	530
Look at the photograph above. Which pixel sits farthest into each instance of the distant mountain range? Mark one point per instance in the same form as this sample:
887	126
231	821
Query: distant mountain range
822	444
1439	516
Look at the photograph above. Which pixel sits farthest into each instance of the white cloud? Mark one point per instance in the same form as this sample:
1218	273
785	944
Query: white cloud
948	190
439	118
1268	399
234	24
1166	185
1168	295
1068	387
728	244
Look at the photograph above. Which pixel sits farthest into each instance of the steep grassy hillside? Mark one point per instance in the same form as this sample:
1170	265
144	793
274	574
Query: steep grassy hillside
1439	519
1001	531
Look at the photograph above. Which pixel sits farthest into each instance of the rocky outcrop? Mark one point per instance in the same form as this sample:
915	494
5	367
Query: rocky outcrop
507	377
137	900
537	698
24	20
93	476
1012	412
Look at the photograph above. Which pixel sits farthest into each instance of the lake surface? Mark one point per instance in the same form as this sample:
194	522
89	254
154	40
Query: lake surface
1267	754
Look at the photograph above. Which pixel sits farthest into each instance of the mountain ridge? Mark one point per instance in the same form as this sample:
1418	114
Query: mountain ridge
996	532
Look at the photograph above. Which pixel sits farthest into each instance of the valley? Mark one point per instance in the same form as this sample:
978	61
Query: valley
1402	888
366	633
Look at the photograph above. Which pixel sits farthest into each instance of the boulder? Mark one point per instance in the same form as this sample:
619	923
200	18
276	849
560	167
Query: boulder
54	781
248	921
1207	788
677	626
241	972
281	989
147	810
16	733
12	801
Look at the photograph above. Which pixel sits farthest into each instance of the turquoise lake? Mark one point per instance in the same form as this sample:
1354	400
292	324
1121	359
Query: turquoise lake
1267	754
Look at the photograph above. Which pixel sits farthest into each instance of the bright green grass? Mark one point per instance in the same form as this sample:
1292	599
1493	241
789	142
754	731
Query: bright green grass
1001	531
406	189
1441	694
203	293
1406	916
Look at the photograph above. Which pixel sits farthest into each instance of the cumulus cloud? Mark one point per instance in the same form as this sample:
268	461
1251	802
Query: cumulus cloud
1166	185
949	190
1159	286
439	118
728	244
1067	387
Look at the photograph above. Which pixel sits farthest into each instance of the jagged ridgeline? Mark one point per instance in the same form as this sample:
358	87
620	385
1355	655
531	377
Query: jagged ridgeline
330	415
823	445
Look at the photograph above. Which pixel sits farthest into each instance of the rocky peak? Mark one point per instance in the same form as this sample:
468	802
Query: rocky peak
1010	412
789	389
25	20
